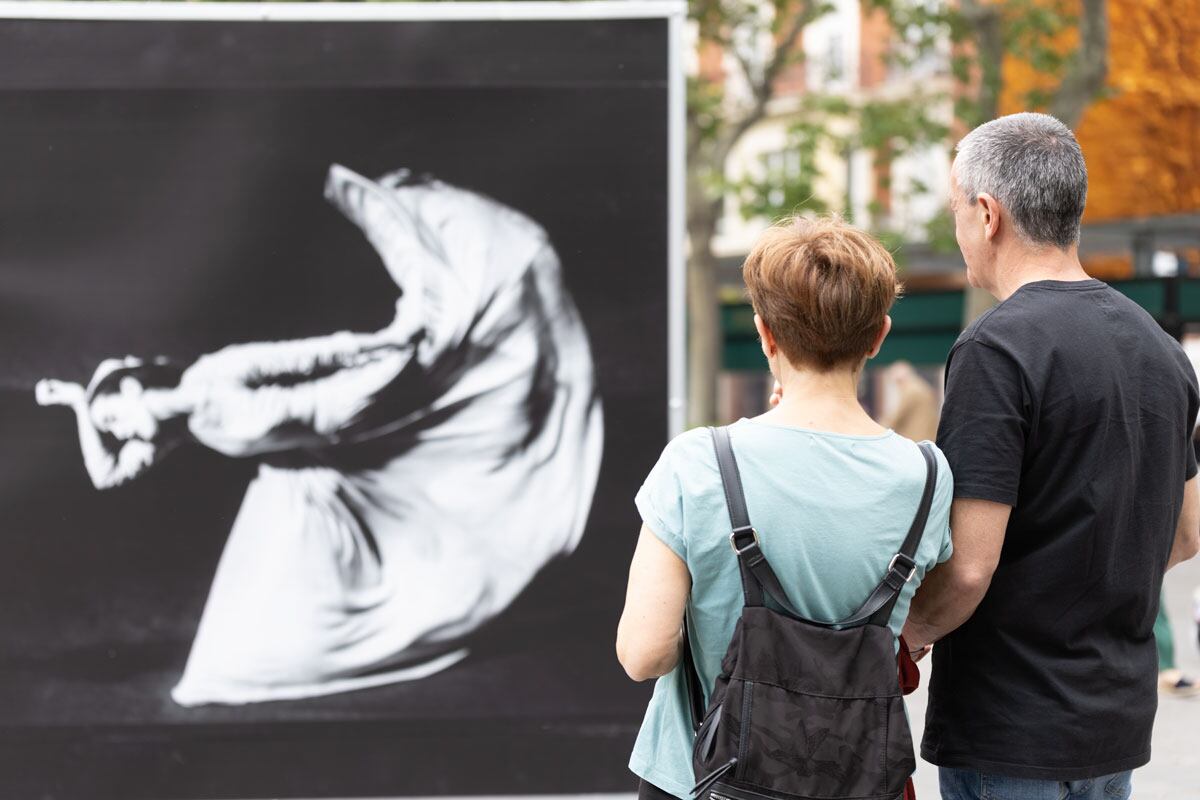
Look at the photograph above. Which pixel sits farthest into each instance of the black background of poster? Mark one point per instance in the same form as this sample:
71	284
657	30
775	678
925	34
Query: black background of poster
161	193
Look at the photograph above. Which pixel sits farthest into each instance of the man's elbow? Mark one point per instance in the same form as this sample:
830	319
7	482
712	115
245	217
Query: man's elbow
1187	536
1189	547
1192	551
970	584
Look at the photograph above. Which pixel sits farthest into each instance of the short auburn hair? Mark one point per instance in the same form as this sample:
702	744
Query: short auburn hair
823	288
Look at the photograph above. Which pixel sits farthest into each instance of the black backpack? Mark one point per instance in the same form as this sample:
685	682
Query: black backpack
801	709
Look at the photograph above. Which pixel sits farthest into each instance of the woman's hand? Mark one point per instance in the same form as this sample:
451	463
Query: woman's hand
776	395
50	392
920	652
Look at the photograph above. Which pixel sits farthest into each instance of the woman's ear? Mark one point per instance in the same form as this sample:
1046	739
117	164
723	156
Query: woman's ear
883	332
766	338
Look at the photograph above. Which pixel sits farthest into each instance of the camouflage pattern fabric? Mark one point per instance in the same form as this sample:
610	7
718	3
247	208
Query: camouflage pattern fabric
807	712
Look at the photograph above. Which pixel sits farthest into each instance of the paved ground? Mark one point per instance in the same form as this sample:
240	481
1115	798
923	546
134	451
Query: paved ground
1174	772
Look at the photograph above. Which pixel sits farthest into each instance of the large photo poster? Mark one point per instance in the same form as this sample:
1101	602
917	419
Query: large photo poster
332	353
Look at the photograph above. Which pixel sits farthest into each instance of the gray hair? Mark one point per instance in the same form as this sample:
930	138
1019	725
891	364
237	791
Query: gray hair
1034	168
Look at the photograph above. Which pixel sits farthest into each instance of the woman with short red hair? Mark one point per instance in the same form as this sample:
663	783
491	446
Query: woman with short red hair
831	493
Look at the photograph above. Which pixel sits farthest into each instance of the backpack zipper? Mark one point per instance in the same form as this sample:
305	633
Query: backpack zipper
711	778
744	733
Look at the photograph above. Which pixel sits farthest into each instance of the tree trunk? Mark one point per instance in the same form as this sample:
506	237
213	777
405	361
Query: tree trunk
704	318
704	340
706	159
986	24
1084	79
1088	70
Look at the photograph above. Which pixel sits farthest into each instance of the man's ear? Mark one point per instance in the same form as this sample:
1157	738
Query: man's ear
883	332
767	339
989	214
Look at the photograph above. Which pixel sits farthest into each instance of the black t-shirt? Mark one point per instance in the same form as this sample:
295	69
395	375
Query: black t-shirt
1070	404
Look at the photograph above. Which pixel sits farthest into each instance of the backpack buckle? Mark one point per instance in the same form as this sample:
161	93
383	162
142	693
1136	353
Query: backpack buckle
911	564
733	540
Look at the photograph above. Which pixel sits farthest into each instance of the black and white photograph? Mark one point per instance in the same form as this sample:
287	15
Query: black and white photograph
332	353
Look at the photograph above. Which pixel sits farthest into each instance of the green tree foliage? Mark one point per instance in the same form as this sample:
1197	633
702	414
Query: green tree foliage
1031	30
887	128
762	38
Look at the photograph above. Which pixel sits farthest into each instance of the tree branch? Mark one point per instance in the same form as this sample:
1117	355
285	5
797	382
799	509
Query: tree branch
786	46
745	66
763	89
1088	69
987	25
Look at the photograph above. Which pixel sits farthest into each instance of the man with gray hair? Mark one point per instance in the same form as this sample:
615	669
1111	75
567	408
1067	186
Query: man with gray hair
1067	425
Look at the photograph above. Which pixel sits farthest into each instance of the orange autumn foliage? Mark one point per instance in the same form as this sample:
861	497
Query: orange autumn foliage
1142	143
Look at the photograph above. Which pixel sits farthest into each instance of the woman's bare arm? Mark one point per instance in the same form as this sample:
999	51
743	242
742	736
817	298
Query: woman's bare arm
649	634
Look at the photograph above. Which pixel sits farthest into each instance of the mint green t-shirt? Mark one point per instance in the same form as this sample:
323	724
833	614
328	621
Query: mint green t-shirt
830	510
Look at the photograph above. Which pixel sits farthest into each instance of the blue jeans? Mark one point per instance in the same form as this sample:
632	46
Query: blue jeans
965	784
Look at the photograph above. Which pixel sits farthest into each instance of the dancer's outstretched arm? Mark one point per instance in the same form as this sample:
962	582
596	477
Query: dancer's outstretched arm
107	468
245	421
256	363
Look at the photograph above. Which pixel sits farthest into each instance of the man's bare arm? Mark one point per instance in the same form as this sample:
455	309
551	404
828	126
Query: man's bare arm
951	592
1187	531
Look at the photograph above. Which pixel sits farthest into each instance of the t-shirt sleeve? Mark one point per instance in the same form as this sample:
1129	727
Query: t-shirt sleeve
984	423
943	495
1189	454
1193	410
660	502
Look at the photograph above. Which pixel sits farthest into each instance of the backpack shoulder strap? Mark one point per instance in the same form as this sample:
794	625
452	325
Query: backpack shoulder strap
756	573
691	677
877	610
757	576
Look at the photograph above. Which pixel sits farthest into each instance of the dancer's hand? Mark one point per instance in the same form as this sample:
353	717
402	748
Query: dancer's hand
776	395
50	392
403	330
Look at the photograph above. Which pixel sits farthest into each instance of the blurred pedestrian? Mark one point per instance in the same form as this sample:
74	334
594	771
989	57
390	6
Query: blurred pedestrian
912	408
1171	679
1196	613
1067	421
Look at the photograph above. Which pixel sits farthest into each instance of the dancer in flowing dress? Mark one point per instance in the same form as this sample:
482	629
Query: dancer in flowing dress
412	480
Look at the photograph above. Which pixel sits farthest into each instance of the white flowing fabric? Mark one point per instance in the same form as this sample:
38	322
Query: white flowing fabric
406	495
